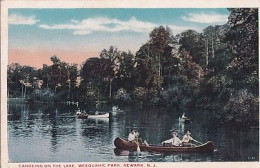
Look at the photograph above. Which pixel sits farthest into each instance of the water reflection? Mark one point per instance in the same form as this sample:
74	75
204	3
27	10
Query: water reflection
133	156
55	130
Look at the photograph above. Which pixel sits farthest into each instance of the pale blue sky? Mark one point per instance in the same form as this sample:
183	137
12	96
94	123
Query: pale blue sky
94	29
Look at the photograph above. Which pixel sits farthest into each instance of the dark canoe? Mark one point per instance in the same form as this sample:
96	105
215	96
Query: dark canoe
125	145
82	116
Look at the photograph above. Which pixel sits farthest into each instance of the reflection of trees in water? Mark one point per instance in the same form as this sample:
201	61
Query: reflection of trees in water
150	123
20	112
54	132
54	140
93	128
60	127
133	156
188	157
96	130
57	126
17	111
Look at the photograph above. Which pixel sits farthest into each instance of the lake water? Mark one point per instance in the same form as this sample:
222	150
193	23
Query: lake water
52	133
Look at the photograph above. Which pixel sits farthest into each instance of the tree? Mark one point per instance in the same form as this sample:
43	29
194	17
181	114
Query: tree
192	42
58	74
111	56
160	41
216	47
13	78
43	74
215	85
94	72
243	40
146	70
189	80
125	75
72	79
20	79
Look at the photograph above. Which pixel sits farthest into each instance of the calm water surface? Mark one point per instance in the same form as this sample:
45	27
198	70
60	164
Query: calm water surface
51	133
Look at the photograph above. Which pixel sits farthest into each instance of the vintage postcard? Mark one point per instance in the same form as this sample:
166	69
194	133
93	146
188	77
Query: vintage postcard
136	84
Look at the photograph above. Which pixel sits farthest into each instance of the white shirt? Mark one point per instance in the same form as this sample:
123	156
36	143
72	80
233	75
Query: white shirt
183	116
174	141
131	136
186	138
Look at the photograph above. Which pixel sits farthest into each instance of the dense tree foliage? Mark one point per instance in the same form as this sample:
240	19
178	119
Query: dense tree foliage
216	69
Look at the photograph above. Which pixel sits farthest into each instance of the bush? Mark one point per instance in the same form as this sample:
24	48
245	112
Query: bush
122	96
242	107
139	95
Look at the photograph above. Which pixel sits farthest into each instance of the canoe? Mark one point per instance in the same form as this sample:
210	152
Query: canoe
125	145
82	115
117	112
106	115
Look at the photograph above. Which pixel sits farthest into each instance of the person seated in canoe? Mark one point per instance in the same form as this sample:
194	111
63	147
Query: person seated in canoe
78	112
187	139
174	141
133	137
82	114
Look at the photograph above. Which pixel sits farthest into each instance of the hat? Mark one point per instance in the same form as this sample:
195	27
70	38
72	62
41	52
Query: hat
188	132
174	132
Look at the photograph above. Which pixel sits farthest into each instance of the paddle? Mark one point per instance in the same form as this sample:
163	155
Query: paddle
138	148
197	141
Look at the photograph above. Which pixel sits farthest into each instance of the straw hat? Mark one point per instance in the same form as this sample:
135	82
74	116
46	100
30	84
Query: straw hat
174	132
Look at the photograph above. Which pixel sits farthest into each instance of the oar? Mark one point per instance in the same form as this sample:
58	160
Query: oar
138	148
197	141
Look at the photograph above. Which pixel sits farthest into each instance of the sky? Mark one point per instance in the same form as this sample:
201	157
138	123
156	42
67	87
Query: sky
74	35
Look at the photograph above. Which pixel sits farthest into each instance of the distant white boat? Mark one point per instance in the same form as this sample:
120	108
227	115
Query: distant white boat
97	120
106	115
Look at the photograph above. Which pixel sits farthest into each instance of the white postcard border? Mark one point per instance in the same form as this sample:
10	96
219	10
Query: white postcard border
5	5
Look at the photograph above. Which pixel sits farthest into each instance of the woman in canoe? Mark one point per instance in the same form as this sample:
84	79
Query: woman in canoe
174	141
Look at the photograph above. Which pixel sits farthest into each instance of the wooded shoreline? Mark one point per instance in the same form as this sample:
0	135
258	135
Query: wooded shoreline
215	69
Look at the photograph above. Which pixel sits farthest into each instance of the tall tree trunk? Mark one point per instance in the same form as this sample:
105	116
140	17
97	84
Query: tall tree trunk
24	91
207	53
213	51
110	88
212	43
159	65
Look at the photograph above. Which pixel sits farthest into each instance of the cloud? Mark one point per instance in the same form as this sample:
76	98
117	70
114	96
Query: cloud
206	18
90	25
16	19
180	29
82	32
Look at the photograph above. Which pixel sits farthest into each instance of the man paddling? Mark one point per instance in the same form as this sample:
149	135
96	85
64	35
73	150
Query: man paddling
174	141
186	140
133	137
